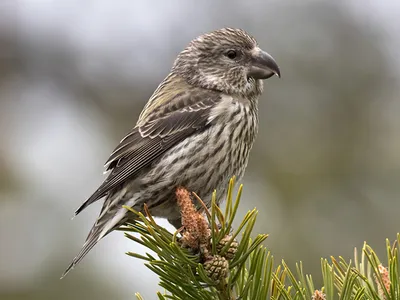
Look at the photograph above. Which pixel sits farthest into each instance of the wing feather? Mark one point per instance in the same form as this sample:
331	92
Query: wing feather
181	117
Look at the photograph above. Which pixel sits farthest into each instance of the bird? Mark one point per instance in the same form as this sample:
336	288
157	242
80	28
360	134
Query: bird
196	132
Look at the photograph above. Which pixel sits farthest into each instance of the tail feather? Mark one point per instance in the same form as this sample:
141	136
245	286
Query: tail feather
96	234
85	249
112	215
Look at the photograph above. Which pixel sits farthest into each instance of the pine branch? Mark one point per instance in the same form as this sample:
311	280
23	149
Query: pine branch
203	260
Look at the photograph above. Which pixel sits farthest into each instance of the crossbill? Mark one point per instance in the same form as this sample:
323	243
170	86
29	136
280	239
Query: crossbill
196	131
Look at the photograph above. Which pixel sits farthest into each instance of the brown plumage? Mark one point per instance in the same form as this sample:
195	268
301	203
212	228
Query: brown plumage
196	131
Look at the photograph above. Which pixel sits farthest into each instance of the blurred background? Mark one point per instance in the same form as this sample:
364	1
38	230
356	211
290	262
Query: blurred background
74	76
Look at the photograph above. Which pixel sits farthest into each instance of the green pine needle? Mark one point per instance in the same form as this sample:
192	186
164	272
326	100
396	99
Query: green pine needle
252	273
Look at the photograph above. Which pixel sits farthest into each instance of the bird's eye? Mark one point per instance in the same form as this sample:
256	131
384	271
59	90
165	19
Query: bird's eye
231	54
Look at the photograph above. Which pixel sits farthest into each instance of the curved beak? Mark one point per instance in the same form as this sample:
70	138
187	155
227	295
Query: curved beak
262	65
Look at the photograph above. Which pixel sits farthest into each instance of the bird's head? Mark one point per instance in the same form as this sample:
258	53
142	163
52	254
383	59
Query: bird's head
228	60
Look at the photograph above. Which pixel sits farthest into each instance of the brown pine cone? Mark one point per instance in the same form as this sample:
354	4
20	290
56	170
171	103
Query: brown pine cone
216	268
318	295
232	248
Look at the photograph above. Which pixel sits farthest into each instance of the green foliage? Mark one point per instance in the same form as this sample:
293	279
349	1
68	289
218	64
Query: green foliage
364	279
252	274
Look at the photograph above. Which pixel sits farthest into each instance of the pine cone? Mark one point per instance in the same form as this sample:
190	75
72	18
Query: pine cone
384	274
232	248
318	295
216	268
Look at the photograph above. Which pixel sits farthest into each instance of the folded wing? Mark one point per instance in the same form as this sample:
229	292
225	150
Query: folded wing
183	114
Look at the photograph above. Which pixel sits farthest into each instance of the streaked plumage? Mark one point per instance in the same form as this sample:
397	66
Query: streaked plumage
195	131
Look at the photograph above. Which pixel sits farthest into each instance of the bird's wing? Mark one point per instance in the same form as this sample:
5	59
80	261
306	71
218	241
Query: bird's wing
169	123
